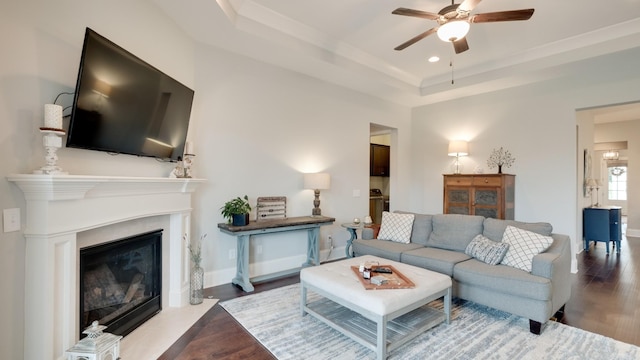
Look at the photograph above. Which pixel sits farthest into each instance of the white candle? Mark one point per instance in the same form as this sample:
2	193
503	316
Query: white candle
52	116
188	148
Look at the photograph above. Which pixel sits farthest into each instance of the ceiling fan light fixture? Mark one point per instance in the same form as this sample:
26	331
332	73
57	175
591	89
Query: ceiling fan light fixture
453	30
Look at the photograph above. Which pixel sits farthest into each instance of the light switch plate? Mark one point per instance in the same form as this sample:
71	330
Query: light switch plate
11	219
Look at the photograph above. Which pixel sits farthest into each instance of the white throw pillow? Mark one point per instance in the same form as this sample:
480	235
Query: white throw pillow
396	227
523	246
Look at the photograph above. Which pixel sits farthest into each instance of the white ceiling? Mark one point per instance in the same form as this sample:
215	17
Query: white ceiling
351	42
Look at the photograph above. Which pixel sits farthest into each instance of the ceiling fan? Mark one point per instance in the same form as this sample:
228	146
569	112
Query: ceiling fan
454	22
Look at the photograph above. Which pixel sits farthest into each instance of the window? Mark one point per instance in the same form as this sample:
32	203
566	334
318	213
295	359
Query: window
617	182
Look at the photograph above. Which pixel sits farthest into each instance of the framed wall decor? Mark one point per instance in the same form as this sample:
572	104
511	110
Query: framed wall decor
587	172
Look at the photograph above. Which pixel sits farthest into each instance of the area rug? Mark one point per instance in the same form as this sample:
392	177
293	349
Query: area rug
476	332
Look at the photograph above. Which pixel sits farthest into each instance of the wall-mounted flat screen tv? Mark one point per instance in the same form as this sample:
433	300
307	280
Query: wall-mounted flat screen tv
123	105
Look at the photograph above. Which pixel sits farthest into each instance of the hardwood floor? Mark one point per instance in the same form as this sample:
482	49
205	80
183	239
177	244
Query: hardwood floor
605	299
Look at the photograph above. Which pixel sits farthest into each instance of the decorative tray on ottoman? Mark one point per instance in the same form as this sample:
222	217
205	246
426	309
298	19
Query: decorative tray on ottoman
394	280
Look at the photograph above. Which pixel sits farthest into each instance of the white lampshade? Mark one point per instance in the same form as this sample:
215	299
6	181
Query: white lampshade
592	183
458	148
453	30
317	181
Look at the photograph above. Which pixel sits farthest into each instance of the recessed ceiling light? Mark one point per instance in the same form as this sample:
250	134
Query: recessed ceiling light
434	59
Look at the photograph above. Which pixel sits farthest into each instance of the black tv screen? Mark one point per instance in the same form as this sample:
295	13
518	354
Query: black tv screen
124	105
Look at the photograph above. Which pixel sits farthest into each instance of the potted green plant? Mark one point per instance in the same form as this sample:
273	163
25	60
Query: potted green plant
236	211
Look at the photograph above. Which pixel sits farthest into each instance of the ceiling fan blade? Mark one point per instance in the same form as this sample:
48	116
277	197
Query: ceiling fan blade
415	39
416	13
460	45
513	15
468	5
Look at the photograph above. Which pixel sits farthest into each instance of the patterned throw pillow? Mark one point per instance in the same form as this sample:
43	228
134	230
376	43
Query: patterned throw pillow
487	250
523	246
396	227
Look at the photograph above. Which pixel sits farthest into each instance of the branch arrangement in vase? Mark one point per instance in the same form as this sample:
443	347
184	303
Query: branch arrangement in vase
499	158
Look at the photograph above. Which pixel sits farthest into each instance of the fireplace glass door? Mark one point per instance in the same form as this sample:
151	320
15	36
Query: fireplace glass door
120	282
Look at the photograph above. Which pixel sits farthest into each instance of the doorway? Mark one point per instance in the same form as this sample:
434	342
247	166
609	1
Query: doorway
380	170
606	141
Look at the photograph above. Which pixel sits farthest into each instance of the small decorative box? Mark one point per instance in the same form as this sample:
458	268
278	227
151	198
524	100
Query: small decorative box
271	207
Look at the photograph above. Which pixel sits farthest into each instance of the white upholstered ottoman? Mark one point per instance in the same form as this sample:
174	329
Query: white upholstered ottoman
396	314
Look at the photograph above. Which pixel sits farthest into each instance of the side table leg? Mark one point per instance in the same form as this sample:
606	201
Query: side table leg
242	264
347	248
313	247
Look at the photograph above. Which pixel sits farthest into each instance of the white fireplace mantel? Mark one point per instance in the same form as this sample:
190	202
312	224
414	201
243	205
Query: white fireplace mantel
61	206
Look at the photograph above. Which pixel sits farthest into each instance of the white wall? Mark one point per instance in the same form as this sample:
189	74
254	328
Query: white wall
261	128
256	128
538	125
41	42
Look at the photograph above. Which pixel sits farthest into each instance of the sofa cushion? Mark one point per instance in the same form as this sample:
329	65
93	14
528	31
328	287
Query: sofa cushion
487	250
421	227
454	232
434	259
396	227
382	248
523	246
494	228
503	279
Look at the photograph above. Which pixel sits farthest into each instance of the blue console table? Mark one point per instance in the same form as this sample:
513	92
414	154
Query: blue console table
310	223
603	224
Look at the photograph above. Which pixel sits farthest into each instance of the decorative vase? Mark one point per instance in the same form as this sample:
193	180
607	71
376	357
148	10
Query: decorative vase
196	285
240	219
499	169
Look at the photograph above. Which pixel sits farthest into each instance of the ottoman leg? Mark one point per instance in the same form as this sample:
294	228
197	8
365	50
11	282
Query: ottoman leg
382	338
303	298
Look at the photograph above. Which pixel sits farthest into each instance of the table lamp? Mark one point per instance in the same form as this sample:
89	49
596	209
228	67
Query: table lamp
458	148
317	182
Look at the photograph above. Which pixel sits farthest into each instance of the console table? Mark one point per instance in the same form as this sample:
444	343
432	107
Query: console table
602	224
310	223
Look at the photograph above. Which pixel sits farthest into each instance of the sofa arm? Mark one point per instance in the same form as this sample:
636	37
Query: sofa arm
555	264
367	233
556	258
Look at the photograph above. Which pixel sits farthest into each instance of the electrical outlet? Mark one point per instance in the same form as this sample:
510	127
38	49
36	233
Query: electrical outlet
232	254
330	240
259	249
11	219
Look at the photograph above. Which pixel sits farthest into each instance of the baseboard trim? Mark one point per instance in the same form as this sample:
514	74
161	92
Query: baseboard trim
270	269
632	232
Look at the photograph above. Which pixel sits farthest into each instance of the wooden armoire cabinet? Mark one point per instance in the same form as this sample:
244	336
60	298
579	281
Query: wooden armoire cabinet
488	195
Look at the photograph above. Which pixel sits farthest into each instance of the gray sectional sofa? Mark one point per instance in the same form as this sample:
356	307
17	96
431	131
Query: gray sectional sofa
438	243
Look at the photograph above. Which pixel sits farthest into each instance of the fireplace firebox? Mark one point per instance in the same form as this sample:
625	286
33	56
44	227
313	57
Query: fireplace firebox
120	282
